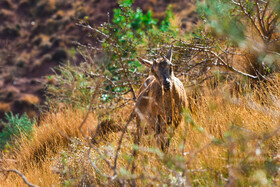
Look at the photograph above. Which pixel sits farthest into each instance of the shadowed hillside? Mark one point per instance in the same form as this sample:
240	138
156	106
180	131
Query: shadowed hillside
36	36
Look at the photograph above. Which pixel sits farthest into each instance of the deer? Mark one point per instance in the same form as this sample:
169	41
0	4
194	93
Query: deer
161	100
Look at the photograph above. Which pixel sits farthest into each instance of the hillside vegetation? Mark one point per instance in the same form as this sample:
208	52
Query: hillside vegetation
229	135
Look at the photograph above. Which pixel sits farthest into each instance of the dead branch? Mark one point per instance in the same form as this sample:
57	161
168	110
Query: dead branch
85	118
7	171
243	9
208	50
125	74
97	169
89	110
93	29
132	115
117	48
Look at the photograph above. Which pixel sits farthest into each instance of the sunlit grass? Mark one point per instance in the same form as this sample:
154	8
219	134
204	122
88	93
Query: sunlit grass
220	130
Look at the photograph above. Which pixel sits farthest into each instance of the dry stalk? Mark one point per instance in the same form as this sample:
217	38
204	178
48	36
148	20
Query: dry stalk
8	171
125	74
132	115
117	48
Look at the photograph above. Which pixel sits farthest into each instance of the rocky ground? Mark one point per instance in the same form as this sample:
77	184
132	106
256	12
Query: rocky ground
37	35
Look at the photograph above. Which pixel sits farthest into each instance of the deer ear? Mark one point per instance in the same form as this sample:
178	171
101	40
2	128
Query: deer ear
145	62
169	62
169	54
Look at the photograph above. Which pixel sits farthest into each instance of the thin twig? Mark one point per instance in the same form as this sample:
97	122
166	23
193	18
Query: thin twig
97	169
20	174
85	118
125	74
250	17
132	115
93	29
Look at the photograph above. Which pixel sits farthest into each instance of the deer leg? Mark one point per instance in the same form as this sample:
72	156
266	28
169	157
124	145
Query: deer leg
166	132
162	140
137	139
139	131
170	131
158	130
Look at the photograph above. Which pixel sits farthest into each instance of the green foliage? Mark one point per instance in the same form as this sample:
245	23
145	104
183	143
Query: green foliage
222	17
134	22
74	167
234	18
244	25
130	30
166	25
72	85
15	127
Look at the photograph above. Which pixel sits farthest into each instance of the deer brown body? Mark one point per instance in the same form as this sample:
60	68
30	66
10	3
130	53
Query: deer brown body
161	100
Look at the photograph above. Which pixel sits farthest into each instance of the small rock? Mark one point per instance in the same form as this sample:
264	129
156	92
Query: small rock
9	94
9	33
44	9
59	55
55	42
29	99
6	15
24	7
4	107
37	40
46	58
46	48
20	63
34	82
6	4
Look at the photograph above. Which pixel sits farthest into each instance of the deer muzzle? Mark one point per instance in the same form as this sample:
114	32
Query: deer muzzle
167	84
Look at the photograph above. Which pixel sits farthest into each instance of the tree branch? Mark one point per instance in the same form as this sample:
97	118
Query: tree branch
20	174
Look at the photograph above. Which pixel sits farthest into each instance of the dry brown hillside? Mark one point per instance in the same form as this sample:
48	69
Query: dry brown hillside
36	36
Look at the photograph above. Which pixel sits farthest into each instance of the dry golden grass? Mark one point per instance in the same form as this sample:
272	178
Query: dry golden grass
30	99
5	107
221	131
34	156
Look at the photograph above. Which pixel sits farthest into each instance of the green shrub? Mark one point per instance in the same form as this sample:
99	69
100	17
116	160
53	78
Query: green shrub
246	24
72	85
128	32
15	127
222	17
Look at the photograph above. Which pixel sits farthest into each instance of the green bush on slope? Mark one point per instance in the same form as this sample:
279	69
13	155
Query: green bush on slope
15	127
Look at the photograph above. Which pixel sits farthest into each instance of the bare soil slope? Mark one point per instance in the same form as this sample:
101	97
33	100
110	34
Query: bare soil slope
36	36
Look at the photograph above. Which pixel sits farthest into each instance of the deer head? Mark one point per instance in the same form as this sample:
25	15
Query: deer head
162	69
